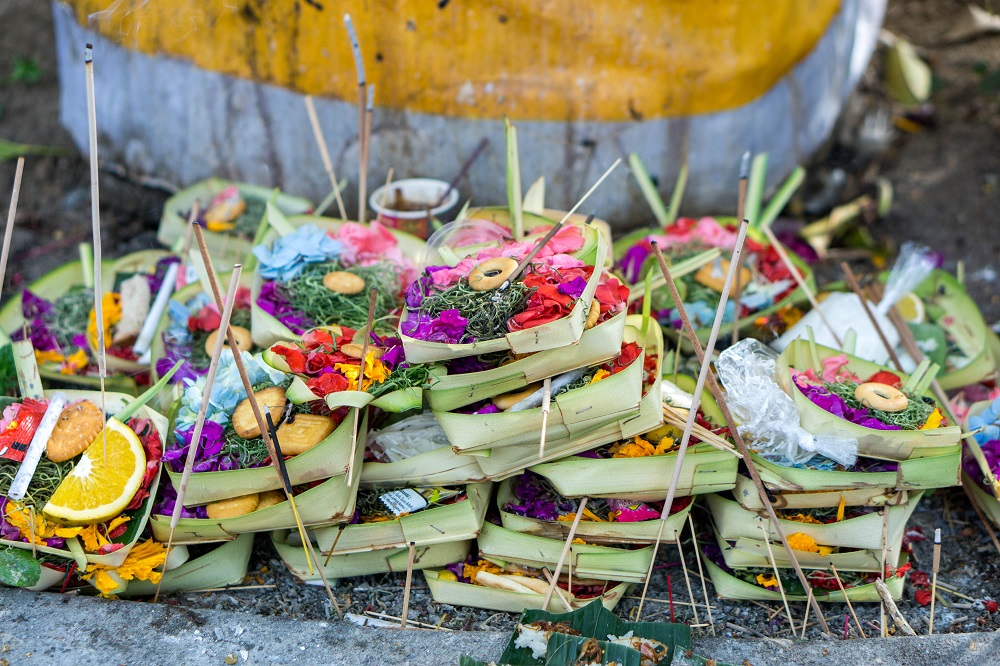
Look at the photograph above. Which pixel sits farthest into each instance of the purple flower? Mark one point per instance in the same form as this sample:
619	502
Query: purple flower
465	365
168	499
33	306
632	261
574	288
449	327
186	374
209	448
991	450
536	499
274	303
155	279
836	406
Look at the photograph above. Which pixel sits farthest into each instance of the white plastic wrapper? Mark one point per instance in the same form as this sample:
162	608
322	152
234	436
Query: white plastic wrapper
407	438
914	264
767	415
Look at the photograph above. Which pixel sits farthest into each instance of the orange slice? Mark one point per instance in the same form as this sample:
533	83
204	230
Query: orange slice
96	491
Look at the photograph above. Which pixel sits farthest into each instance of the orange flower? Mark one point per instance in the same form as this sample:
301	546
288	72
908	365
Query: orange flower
141	564
470	570
806	543
767	580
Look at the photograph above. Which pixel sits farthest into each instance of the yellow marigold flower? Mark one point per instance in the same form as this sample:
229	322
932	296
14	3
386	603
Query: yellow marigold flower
579	542
75	363
93	539
219	225
933	421
767	580
470	570
840	508
588	516
352	372
803	518
599	375
142	563
50	356
376	372
111	304
806	543
37	530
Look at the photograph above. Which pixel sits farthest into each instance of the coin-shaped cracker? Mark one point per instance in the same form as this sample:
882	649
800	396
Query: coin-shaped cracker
78	426
244	422
344	283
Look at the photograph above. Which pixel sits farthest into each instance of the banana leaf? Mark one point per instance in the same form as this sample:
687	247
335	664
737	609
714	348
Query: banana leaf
745	553
986	502
332	501
596	345
733	522
478	596
365	563
56	283
948	305
330	458
728	586
595	621
267	330
224	565
114	403
746	494
503	546
224	247
915	474
885	444
440	467
555	334
47	578
611	533
572	414
460	521
706	469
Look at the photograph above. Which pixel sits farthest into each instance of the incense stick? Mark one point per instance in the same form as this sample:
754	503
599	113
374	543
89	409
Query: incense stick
559	592
741	202
699	387
361	382
934	575
687	578
546	404
701	573
885	547
480	147
409	581
12	212
777	577
850	606
324	154
199	423
734	431
359	67
801	282
95	216
365	153
385	193
565	550
852	281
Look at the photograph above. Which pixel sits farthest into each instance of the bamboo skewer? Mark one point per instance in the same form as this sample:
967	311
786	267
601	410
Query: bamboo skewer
324	154
687	577
385	193
565	551
361	382
850	606
559	592
199	424
735	433
409	582
881	575
546	404
777	576
701	573
934	574
805	619
800	281
359	66
699	387
852	281
741	202
11	213
95	216
367	136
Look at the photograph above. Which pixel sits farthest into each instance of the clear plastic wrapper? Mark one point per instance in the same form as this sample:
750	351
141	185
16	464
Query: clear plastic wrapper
768	416
914	264
407	438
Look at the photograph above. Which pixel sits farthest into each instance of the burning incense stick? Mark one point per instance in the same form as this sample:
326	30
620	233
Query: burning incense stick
9	231
934	575
199	423
95	216
850	606
566	546
699	387
409	581
324	154
735	433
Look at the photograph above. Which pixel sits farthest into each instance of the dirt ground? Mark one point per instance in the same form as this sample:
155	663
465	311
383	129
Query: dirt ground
946	178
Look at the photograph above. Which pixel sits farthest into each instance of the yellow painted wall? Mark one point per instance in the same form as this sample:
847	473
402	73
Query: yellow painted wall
605	60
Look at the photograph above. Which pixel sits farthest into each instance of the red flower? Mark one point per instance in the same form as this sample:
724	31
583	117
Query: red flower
207	320
328	383
629	353
316	337
885	377
991	606
295	359
544	306
611	294
922	597
920	579
317	361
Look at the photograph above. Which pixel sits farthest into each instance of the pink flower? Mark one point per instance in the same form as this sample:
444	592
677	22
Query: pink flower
366	245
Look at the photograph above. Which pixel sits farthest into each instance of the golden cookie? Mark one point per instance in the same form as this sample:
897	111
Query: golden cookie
713	275
354	350
301	432
508	400
242	335
344	283
78	426
245	424
233	507
270	498
490	274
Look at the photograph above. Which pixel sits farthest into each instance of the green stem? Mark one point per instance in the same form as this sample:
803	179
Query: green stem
514	195
782	197
648	190
129	410
678	194
87	264
755	188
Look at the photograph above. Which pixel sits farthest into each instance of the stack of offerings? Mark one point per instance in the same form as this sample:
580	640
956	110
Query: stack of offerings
846	449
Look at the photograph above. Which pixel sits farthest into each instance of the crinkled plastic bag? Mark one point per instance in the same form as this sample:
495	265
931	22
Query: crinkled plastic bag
768	416
914	264
407	438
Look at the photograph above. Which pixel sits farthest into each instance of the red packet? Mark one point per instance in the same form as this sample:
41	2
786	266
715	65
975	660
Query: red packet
16	437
